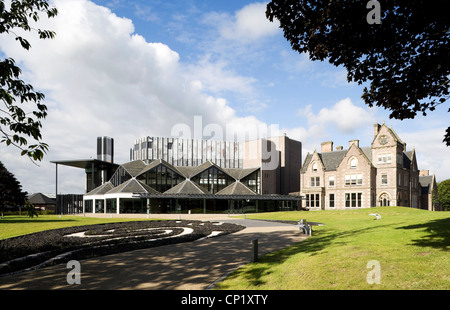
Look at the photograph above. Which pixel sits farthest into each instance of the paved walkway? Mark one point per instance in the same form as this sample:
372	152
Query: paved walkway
185	266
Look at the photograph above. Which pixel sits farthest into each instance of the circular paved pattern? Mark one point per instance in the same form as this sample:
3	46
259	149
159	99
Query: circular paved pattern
47	248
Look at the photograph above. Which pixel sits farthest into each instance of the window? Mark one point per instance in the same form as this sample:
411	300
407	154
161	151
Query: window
353	200
312	200
314	167
347	200
331	181
331	202
212	179
353	163
384	159
384	179
353	179
315	181
169	145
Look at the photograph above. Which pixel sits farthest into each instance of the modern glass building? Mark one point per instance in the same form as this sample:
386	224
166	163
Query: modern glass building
169	176
159	187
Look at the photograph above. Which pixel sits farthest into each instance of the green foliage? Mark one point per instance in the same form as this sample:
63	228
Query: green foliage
10	190
404	58
16	124
443	194
31	211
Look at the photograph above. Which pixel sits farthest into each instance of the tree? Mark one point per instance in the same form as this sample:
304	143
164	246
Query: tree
443	194
403	53
11	193
17	124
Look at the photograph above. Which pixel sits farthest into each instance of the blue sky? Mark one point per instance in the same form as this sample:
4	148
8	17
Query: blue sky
129	69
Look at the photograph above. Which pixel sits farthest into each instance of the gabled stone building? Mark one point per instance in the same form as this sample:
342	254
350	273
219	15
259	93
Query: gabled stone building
382	174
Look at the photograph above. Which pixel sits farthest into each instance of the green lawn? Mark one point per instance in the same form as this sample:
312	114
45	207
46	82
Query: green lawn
15	225
410	245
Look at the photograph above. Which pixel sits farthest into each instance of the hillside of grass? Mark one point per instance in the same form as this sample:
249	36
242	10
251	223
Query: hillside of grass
410	245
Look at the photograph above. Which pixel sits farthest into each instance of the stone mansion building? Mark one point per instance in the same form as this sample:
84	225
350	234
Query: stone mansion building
383	174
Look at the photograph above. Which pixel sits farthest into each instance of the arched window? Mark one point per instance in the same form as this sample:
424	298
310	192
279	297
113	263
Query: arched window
314	166
353	163
384	200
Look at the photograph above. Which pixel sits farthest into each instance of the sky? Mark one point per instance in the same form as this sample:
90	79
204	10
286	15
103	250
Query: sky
131	69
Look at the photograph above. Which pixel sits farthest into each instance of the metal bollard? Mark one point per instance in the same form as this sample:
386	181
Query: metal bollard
255	250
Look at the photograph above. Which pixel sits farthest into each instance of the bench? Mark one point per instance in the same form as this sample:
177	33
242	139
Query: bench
305	227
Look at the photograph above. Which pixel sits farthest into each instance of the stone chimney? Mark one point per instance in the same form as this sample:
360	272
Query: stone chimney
355	142
376	129
339	148
424	172
327	146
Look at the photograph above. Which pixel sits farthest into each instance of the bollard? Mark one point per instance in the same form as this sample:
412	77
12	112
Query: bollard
255	250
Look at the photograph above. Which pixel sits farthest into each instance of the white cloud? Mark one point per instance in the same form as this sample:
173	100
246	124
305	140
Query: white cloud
248	24
100	78
218	78
344	116
432	154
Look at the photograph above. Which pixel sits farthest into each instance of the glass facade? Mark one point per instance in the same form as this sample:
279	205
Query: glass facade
253	181
213	180
161	178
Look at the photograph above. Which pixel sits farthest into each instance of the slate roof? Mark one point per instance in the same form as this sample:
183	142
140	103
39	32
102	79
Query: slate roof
186	187
133	186
425	183
236	188
238	173
102	189
41	199
331	160
134	168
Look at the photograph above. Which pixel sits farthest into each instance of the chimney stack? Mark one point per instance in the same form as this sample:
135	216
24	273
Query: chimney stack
355	142
424	172
327	146
376	129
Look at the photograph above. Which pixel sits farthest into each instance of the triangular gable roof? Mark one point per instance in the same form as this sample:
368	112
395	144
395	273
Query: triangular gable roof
102	189
236	188
134	167
365	151
186	187
186	171
207	165
156	163
133	186
240	173
41	199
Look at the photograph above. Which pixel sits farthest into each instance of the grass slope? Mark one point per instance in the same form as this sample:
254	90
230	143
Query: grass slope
410	245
